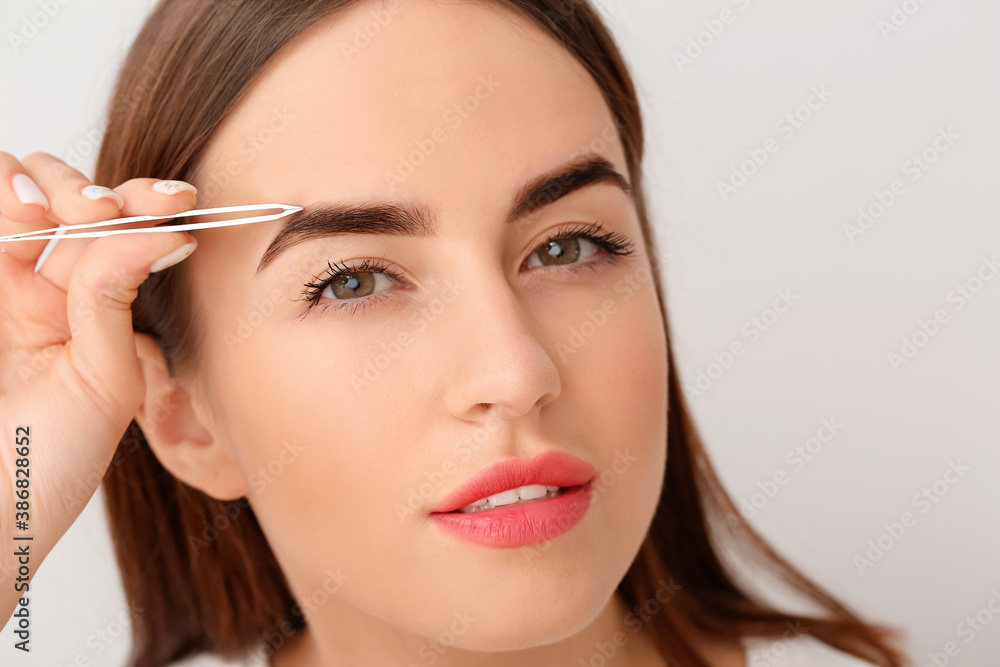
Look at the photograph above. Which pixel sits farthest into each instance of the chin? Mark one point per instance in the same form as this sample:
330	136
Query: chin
529	619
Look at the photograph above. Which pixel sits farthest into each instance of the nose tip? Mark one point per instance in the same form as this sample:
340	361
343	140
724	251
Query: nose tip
497	367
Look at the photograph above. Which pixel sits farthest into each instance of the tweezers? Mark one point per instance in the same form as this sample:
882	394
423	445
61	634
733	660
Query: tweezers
67	231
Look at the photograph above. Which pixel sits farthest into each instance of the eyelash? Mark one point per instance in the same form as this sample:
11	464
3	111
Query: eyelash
615	244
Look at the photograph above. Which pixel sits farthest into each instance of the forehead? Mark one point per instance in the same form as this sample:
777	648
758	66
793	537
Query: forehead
404	99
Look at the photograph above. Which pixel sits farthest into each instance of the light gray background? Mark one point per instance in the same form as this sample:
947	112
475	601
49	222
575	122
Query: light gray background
784	230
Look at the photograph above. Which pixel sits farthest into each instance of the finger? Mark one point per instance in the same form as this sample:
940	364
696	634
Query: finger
104	284
142	196
74	199
149	196
22	208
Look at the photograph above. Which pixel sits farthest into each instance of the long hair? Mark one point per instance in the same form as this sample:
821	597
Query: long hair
202	577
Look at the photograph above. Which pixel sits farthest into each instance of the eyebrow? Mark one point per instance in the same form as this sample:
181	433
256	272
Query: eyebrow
406	219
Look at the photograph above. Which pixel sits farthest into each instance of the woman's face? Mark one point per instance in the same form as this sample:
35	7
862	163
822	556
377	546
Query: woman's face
472	343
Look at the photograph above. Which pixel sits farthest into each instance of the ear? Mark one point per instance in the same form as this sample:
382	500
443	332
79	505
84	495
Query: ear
179	432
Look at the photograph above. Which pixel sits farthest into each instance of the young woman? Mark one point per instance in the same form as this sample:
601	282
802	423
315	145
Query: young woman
430	419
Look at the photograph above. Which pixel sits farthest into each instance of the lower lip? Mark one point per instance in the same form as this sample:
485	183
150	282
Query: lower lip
521	524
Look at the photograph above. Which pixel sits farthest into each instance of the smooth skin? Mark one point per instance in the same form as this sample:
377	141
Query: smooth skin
272	412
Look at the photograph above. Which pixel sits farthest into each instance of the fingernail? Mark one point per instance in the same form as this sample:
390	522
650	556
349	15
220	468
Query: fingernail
177	255
95	192
173	187
27	192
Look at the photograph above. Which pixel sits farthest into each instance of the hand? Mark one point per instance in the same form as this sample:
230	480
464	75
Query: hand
68	364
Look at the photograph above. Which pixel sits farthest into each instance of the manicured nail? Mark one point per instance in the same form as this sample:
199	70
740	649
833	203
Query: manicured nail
27	192
169	260
95	192
173	187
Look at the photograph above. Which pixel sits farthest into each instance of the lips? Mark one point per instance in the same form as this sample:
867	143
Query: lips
551	468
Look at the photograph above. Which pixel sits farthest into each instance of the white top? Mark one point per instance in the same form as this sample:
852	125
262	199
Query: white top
801	651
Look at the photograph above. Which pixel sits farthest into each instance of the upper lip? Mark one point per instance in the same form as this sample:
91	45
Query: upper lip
550	468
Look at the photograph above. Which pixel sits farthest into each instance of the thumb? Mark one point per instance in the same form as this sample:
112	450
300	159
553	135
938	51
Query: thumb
104	283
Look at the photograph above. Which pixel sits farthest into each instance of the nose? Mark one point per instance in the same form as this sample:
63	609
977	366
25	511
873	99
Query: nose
497	368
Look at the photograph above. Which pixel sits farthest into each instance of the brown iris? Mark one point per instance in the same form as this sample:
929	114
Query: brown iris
347	287
561	251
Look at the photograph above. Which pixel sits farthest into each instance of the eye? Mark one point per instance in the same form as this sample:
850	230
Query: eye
353	288
560	252
360	284
571	246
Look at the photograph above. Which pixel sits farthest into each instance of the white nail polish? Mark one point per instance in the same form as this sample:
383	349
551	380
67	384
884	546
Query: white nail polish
173	187
169	260
27	192
95	192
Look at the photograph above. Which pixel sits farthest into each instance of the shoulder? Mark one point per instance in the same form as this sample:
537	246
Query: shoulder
798	651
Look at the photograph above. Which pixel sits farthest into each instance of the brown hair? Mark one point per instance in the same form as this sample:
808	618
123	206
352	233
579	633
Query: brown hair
202	577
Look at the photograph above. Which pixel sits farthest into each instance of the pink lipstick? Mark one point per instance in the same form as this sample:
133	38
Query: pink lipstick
507	524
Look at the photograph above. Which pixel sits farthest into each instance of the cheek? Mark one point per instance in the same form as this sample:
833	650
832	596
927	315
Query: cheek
624	380
322	448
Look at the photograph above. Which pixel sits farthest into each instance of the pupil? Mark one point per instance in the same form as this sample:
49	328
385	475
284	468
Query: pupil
564	252
348	286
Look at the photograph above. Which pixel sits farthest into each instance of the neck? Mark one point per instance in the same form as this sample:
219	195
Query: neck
344	636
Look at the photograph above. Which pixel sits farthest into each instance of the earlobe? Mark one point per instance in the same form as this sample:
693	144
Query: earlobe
171	420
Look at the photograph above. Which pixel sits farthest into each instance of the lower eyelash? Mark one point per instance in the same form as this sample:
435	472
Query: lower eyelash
613	243
351	306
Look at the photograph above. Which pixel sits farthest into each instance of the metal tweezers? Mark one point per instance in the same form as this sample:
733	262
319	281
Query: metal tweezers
64	231
69	231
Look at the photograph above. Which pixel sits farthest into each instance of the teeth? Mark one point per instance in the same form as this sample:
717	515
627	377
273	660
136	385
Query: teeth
513	496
